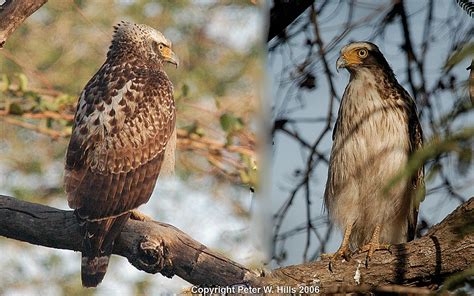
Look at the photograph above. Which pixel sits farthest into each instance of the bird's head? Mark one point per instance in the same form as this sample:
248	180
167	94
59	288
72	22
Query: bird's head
145	40
359	55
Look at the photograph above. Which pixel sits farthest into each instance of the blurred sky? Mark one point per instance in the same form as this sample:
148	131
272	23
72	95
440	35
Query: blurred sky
287	154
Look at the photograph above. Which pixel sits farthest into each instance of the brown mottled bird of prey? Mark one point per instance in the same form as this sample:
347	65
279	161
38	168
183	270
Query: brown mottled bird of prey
376	132
123	135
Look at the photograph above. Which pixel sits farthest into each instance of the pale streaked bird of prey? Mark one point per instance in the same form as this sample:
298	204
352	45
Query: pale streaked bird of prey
376	132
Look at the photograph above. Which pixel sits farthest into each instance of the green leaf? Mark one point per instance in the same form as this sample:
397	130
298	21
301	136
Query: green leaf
244	177
15	109
231	123
464	157
249	174
184	90
22	82
194	129
46	105
430	150
457	280
64	100
459	55
5	83
32	96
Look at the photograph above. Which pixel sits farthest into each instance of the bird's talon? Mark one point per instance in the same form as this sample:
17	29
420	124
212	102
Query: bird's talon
343	253
370	248
330	266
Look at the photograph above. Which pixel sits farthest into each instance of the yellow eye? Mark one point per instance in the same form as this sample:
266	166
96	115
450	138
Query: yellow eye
160	46
362	53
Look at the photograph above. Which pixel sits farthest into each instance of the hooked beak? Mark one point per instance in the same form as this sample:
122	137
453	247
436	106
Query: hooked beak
341	63
171	57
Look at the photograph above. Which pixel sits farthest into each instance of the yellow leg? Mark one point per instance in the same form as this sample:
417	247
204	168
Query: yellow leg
374	244
343	252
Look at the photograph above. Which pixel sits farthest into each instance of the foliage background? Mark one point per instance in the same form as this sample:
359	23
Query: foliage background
44	66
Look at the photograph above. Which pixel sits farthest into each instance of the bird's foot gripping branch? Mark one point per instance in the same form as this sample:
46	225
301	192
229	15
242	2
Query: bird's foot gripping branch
157	247
150	246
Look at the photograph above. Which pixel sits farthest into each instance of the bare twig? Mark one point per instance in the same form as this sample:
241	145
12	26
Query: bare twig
42	130
225	157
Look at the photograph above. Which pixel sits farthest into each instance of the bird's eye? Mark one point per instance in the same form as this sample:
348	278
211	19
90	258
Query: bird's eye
362	53
158	47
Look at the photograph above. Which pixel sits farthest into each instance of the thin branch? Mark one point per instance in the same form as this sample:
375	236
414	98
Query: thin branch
54	134
407	46
186	139
314	155
225	157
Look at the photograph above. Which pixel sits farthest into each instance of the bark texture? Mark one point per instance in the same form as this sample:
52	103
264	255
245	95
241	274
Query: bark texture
155	247
13	14
446	249
148	245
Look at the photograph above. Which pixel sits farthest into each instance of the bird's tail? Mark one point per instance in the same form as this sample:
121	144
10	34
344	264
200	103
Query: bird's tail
93	270
97	246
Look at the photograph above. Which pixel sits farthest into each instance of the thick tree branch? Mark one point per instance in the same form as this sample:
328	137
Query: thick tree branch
157	247
446	249
14	13
149	245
